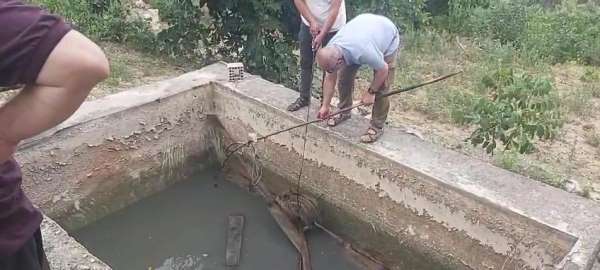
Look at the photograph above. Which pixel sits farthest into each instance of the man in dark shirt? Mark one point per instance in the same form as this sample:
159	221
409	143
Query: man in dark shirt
58	67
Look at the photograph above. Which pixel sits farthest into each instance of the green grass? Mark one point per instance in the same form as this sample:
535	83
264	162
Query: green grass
119	72
429	54
518	163
509	160
591	81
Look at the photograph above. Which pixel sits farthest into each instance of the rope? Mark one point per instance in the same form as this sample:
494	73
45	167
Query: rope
304	209
301	169
239	146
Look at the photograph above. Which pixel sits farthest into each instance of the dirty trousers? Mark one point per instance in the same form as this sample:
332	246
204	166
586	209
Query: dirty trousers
382	105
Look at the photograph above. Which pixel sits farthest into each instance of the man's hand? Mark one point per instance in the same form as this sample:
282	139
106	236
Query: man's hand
323	112
315	28
368	99
318	40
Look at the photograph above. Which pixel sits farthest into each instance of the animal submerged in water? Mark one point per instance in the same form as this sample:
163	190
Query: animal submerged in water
296	213
305	212
290	224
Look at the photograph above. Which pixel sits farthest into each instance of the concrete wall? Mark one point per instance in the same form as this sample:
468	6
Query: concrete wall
413	204
111	153
454	209
117	150
64	252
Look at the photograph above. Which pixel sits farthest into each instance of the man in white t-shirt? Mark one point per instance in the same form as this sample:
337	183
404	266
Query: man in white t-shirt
321	19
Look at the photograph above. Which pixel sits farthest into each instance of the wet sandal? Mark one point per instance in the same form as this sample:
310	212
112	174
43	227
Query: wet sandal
298	104
371	135
337	119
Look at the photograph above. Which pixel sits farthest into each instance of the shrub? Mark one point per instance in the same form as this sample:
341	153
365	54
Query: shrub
501	21
100	19
407	14
563	36
554	35
459	13
255	32
518	109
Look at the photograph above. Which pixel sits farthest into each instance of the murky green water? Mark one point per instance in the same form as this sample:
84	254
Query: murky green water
185	228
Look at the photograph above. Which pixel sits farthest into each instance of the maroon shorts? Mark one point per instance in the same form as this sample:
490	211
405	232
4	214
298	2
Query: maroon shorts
19	219
28	35
30	257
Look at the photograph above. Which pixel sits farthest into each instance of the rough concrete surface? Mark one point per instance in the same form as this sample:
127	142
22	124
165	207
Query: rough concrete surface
532	224
437	203
100	161
64	252
113	152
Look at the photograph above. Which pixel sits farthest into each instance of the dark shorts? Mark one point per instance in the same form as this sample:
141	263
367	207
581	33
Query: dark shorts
28	35
30	257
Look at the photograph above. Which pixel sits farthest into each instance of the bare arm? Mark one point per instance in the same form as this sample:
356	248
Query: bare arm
379	78
329	88
73	68
335	11
303	9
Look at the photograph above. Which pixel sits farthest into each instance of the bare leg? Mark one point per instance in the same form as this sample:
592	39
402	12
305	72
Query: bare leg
73	68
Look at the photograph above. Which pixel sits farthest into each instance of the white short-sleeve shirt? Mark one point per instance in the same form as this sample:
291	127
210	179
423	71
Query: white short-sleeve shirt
321	10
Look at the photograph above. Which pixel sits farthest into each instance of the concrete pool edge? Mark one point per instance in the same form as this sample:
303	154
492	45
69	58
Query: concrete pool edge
569	218
534	203
64	252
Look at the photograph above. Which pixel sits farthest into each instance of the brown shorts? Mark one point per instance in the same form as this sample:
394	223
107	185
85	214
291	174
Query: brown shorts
28	35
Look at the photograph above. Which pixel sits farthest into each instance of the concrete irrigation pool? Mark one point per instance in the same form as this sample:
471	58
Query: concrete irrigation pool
411	204
184	227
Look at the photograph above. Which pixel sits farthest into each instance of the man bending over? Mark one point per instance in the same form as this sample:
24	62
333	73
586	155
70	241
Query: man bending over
370	40
321	19
58	67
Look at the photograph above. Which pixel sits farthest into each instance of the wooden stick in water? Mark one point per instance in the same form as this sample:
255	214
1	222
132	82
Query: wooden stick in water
284	219
234	240
361	257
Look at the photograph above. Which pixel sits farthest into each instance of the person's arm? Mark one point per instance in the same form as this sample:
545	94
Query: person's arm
75	66
368	97
336	5
305	12
328	90
379	78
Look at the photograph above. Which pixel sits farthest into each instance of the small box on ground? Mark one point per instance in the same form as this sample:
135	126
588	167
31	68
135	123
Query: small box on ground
236	71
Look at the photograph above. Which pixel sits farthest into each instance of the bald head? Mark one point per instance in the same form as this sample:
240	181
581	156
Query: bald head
329	58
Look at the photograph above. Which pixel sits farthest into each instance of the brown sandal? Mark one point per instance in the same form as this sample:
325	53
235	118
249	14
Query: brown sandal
337	119
371	135
298	104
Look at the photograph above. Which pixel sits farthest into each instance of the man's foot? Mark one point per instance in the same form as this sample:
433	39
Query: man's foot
337	119
371	135
298	104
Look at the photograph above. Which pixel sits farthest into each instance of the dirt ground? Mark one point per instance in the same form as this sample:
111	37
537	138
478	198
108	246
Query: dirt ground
129	68
571	161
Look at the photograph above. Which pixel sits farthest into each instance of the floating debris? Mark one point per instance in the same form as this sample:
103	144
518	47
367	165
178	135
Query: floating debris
234	240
